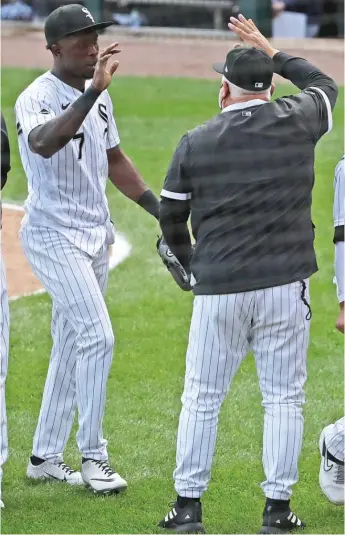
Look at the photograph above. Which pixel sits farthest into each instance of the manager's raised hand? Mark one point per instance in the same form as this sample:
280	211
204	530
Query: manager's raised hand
250	34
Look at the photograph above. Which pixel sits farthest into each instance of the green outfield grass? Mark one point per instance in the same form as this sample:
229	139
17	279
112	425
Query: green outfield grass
151	319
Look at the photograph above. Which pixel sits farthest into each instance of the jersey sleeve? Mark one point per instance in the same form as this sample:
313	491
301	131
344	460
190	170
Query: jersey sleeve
177	184
113	138
315	110
338	206
32	110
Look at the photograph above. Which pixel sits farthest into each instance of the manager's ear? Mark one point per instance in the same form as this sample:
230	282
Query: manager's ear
225	88
273	88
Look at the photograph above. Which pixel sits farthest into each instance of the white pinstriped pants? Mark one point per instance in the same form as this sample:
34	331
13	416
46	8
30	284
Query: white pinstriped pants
83	343
4	345
224	328
334	439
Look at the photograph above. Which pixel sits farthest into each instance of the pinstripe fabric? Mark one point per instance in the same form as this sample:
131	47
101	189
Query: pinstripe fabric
339	194
83	343
4	346
280	343
67	191
338	217
335	439
224	328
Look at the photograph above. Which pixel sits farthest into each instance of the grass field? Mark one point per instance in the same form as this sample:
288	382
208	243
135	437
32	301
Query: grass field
151	319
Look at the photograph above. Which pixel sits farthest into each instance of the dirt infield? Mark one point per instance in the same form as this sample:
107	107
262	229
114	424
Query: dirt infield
20	279
140	57
171	56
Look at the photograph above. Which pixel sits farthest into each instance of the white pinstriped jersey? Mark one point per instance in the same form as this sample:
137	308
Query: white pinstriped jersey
338	206
67	191
338	216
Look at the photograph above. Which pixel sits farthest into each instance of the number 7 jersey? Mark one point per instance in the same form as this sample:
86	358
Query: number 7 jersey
67	191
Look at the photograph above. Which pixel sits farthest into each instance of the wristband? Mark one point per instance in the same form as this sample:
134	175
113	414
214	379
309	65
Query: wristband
85	102
150	203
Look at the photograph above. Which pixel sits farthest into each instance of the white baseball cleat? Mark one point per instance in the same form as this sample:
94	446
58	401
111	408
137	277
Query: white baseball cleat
2	504
52	471
331	476
101	478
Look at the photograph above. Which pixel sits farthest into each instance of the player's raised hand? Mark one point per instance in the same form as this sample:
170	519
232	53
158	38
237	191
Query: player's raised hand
104	71
250	34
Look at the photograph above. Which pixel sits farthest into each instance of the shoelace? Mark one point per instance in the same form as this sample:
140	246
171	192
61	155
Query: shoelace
66	468
339	475
104	466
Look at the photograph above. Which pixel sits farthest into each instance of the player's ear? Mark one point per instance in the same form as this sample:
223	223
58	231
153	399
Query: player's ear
273	88
55	50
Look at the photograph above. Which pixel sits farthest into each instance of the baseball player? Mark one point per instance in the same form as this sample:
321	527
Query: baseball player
246	178
333	436
4	312
69	145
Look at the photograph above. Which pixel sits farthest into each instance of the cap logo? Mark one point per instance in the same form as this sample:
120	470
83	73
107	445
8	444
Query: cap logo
88	14
258	85
226	69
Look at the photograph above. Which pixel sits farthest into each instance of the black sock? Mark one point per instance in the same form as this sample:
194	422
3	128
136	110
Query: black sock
182	502
36	461
276	505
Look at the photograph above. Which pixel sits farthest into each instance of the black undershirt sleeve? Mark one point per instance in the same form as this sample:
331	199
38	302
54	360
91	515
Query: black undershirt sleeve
5	153
173	218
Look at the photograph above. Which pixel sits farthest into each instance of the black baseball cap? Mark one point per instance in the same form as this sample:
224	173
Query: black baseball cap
67	20
248	68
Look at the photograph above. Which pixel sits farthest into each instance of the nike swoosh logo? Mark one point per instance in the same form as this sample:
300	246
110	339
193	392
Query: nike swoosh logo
54	477
65	106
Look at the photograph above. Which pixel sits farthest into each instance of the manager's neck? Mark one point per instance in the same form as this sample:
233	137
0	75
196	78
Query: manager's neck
228	101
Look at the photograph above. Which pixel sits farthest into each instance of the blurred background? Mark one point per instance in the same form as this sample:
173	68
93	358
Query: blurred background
276	18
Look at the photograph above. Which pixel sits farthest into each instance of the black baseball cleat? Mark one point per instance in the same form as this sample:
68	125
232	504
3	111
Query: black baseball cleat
184	518
280	521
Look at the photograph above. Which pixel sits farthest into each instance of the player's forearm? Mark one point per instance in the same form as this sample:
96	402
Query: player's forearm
173	217
128	181
52	136
303	75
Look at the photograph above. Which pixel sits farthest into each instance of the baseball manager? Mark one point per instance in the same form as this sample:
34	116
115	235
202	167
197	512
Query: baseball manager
246	178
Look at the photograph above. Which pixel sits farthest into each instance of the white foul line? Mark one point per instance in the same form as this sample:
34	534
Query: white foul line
118	252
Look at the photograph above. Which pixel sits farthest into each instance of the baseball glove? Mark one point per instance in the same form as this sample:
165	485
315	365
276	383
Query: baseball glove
173	265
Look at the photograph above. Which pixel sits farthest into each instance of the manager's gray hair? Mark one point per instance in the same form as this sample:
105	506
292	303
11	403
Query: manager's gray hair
238	92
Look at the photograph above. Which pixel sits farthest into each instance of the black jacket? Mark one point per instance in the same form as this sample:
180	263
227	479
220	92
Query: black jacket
246	178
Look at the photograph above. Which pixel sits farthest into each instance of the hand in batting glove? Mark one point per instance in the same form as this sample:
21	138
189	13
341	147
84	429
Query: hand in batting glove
173	265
